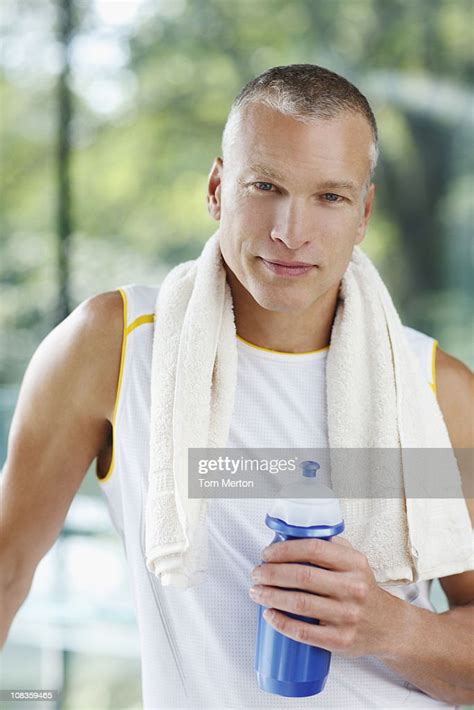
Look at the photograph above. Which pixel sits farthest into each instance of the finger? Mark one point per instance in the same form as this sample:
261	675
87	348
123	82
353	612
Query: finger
341	541
296	602
301	576
327	637
313	550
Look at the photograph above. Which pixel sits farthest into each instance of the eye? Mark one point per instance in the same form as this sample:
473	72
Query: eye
332	197
266	185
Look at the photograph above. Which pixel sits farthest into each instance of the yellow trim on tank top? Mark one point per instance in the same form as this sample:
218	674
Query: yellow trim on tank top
279	352
146	318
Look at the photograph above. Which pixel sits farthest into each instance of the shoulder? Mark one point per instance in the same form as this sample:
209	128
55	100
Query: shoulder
102	319
97	309
114	316
455	389
86	340
102	328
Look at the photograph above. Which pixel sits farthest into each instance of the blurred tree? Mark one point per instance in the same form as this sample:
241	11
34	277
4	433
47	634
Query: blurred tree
64	219
151	98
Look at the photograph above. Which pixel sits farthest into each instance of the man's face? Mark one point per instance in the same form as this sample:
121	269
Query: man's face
291	192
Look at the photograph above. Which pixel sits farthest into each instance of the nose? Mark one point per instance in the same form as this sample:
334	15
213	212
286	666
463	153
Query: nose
293	224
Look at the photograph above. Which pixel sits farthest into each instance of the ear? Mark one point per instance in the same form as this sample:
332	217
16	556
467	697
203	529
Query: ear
366	212
214	188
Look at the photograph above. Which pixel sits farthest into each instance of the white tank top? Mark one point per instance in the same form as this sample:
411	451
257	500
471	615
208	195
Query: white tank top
198	645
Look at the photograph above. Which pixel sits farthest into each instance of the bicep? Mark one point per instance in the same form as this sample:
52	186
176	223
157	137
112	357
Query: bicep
57	430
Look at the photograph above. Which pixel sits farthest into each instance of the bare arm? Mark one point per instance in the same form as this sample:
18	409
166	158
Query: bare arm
434	651
59	426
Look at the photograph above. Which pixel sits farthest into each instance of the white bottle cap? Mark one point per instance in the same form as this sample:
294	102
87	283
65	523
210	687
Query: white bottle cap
317	505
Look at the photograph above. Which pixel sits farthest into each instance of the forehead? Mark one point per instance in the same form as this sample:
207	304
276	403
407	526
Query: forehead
265	137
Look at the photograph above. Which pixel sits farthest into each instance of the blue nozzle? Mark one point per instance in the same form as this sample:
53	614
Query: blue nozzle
310	468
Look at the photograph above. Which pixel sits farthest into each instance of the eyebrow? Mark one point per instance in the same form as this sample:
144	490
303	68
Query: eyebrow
326	184
269	172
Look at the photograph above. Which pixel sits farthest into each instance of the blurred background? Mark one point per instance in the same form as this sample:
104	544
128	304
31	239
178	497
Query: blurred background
111	115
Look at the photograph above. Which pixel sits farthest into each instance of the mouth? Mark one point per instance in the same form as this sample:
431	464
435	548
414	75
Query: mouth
283	268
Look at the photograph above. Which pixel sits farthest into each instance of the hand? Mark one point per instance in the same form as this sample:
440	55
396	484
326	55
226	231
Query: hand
354	613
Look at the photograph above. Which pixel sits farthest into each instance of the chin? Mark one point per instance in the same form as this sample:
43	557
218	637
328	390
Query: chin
279	302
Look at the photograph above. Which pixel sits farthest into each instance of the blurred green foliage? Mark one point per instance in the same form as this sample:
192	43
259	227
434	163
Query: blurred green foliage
151	91
150	100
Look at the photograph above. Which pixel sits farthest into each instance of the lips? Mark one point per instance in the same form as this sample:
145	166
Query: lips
290	264
296	268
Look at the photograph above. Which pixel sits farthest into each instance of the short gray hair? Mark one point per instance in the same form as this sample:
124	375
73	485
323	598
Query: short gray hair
305	92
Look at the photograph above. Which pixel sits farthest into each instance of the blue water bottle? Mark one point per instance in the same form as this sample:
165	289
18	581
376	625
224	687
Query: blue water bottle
285	666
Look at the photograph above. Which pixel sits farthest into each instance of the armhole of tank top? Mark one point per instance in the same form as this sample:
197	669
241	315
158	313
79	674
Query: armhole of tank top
434	346
119	387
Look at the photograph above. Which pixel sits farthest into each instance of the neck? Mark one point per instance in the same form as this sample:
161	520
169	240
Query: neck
291	332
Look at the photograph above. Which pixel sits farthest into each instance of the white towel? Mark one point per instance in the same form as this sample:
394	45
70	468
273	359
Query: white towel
376	398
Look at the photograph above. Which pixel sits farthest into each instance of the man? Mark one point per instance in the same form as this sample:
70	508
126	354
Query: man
292	195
